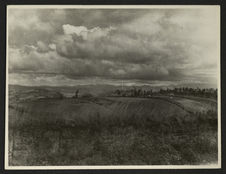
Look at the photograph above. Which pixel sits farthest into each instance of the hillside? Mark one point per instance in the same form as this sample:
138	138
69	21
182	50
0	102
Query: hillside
47	128
75	111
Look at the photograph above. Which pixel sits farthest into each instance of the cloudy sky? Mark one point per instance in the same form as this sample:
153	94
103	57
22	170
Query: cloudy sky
97	46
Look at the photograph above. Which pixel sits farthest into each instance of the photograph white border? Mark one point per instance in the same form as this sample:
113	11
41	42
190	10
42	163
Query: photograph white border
208	166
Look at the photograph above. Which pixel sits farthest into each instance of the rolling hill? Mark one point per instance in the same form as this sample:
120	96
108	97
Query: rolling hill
46	128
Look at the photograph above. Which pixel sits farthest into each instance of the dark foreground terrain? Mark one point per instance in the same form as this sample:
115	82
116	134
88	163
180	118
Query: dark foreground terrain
46	128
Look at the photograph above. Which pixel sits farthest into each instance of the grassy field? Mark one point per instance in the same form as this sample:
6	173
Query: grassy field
193	104
51	130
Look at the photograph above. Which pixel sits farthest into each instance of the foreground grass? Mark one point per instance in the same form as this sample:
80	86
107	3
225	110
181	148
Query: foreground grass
117	142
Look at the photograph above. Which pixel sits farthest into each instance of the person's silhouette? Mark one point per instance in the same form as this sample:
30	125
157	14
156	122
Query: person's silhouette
76	93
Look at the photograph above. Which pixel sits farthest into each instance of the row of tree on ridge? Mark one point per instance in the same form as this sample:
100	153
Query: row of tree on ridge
185	91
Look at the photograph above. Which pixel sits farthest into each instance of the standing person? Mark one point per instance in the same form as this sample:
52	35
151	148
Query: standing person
76	93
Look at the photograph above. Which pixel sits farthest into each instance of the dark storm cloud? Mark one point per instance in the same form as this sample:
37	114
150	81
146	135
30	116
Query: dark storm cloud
145	44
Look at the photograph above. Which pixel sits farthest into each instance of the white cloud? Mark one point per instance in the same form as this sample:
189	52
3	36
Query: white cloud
52	46
70	29
93	33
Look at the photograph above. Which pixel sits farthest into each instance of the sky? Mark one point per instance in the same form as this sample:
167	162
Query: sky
154	46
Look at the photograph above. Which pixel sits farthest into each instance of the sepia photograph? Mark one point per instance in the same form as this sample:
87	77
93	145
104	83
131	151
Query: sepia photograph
113	87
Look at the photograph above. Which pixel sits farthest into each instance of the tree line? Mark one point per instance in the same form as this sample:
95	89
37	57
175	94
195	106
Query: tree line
184	91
